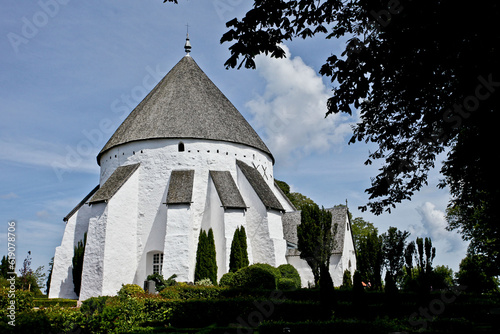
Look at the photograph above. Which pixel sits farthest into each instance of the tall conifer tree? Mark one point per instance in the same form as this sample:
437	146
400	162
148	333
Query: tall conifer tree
206	261
78	264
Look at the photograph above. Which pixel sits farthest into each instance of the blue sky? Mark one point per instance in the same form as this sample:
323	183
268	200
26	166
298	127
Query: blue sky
71	71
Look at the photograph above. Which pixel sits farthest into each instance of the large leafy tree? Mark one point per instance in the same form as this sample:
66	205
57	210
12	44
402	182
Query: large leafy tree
424	77
475	275
370	259
297	199
393	248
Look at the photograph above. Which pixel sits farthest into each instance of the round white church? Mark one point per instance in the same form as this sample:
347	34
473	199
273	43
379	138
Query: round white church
184	160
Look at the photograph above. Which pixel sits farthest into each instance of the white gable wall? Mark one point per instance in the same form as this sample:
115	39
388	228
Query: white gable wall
349	252
93	261
62	276
214	218
120	250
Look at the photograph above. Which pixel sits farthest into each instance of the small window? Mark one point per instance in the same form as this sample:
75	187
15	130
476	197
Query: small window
181	147
157	263
348	226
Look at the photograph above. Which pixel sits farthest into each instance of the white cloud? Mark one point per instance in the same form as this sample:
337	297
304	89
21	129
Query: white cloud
42	153
10	195
291	111
42	214
450	248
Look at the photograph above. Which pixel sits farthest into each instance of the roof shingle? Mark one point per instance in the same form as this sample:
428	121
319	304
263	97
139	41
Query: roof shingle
113	183
180	187
227	190
186	104
260	186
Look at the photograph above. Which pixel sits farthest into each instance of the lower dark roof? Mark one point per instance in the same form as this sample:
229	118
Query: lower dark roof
290	221
260	186
84	200
180	187
339	220
227	190
114	183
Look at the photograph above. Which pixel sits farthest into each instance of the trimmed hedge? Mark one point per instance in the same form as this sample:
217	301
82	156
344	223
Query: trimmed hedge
289	272
61	302
130	290
257	276
185	292
227	279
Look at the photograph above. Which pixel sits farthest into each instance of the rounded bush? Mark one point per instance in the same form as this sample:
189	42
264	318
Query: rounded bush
286	284
289	271
227	279
256	276
129	290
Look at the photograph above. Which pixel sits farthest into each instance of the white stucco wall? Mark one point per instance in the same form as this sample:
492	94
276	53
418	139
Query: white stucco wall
120	249
305	272
93	261
233	219
213	218
179	243
349	252
61	285
138	221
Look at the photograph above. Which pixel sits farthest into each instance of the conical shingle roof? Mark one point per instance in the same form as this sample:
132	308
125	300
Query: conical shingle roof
186	104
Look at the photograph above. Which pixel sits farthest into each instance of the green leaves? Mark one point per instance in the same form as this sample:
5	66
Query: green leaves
315	237
206	262
77	268
239	256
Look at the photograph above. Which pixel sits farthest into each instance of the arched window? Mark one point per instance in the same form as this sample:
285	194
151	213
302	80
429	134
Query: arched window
181	147
157	263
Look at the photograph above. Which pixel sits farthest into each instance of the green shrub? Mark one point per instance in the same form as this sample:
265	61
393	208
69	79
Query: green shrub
227	279
130	290
346	280
289	271
63	319
53	302
112	314
186	292
286	284
169	293
160	282
93	305
23	299
257	276
30	322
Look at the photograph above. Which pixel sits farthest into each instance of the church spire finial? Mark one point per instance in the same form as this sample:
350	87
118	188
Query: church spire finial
187	45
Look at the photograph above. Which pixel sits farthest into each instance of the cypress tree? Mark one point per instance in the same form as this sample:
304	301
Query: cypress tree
243	244
200	270
235	256
239	256
206	260
211	257
78	264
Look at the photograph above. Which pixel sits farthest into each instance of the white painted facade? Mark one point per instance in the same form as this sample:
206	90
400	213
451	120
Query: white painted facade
135	223
133	227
